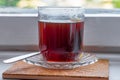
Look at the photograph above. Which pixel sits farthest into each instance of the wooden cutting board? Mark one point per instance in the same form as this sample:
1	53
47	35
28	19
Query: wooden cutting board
22	70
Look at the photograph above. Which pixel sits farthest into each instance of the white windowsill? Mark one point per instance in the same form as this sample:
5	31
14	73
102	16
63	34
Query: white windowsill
102	15
35	15
18	15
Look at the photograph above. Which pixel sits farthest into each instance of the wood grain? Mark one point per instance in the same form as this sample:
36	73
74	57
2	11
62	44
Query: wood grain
22	70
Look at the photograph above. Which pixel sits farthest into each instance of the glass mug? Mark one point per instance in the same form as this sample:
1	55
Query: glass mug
61	37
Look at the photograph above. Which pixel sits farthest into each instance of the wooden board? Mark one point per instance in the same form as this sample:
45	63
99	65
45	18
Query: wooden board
22	70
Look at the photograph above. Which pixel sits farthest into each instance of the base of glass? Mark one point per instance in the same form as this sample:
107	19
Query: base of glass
86	59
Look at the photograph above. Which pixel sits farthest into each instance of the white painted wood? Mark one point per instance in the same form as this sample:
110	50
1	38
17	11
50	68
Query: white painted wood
23	30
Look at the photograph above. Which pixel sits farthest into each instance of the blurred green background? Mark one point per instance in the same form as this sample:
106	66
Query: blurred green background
19	3
35	3
116	3
5	3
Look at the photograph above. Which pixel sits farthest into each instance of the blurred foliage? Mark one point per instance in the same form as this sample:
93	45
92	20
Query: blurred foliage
116	3
19	3
8	3
34	3
89	0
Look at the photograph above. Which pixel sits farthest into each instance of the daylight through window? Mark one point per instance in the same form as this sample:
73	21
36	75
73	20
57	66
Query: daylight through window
109	4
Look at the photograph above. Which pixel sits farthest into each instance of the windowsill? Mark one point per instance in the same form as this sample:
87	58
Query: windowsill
102	15
18	15
35	15
17	12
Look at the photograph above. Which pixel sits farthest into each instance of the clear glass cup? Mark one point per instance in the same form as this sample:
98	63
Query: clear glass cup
61	33
61	38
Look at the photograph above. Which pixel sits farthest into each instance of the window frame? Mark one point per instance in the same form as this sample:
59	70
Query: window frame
31	42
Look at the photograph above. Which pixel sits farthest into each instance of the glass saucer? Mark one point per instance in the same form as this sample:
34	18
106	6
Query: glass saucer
86	59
